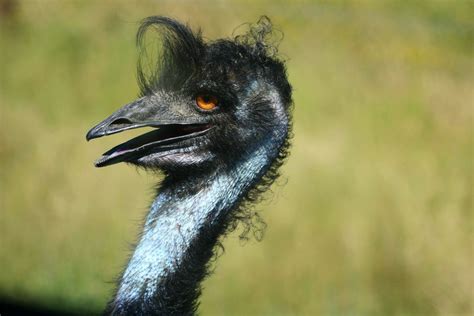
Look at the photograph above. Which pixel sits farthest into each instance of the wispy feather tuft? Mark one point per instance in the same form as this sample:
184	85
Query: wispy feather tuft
179	52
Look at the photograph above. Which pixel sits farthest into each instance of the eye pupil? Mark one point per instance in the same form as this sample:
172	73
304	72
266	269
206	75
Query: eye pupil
206	102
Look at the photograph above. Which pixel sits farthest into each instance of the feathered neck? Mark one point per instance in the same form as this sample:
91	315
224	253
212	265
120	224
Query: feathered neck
180	232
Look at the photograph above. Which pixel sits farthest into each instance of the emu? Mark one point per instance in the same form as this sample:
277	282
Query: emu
221	113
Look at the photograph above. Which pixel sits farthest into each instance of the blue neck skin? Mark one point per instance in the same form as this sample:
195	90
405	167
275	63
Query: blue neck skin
174	223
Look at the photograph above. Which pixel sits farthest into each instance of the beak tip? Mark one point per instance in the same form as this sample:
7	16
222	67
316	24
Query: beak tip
93	133
89	135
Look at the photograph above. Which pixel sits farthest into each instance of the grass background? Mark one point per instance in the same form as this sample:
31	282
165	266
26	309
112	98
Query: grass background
376	217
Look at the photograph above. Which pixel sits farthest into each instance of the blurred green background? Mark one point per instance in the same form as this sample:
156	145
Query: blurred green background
375	216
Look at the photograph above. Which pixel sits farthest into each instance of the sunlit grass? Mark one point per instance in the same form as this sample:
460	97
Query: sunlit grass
376	216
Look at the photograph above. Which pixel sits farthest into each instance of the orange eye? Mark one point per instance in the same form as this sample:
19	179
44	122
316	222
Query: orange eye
206	102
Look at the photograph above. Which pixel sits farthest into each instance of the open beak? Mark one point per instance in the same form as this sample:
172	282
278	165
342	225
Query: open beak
173	126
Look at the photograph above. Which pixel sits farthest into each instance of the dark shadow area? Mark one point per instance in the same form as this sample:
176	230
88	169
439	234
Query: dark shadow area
14	308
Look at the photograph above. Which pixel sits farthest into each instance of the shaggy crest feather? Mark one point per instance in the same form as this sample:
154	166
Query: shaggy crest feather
179	54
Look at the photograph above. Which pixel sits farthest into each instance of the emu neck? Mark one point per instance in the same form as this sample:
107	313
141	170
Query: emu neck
184	223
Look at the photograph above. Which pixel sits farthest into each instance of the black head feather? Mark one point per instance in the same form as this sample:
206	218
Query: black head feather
183	55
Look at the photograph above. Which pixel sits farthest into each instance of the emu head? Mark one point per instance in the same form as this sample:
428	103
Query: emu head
209	101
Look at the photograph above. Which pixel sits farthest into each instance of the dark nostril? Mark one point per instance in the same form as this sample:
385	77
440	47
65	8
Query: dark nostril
120	121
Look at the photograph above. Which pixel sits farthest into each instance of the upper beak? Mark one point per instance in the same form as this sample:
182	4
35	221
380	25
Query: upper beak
139	113
123	119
